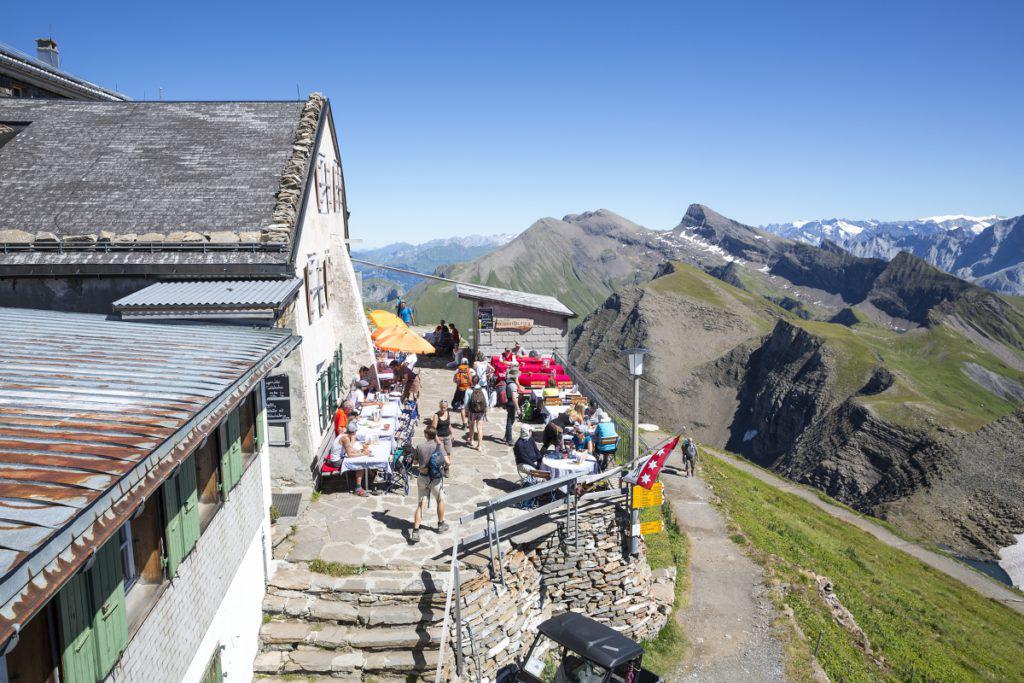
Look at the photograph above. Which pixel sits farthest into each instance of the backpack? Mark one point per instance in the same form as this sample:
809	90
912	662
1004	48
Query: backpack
463	379
691	450
435	467
478	401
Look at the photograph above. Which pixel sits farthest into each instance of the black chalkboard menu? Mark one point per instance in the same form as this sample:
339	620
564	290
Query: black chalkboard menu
279	404
486	318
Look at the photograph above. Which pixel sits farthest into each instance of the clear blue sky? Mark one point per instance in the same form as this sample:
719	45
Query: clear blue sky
481	118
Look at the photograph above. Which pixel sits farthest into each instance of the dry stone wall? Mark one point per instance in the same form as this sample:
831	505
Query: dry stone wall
551	575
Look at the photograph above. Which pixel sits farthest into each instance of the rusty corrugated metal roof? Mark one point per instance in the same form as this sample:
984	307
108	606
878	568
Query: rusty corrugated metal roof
92	413
216	294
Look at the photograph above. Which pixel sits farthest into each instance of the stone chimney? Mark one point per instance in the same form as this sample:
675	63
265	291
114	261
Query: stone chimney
46	51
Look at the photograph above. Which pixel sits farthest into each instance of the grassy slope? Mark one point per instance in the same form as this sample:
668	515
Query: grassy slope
926	625
927	362
582	292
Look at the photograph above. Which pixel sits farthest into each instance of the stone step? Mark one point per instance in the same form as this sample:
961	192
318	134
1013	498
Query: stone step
297	577
311	661
423	608
287	634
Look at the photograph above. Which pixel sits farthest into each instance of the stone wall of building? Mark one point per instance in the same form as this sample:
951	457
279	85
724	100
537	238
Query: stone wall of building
551	575
548	334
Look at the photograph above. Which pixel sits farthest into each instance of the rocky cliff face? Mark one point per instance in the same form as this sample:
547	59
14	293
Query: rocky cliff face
786	387
822	402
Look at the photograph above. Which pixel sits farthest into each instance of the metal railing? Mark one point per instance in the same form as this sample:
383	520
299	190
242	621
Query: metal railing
492	534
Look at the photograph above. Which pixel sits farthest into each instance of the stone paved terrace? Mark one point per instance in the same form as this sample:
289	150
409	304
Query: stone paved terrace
373	531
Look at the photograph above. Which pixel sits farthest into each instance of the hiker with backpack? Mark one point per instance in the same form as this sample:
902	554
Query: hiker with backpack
463	380
477	405
689	450
431	461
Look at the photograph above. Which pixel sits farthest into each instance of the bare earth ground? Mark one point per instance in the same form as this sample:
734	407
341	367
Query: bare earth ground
729	619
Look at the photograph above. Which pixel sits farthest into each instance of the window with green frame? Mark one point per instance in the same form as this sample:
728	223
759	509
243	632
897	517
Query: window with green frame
330	387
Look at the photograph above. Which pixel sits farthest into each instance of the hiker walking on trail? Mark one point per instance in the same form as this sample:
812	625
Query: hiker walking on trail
431	460
689	457
463	380
477	405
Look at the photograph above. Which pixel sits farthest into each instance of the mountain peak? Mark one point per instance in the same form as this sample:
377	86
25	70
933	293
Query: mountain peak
698	214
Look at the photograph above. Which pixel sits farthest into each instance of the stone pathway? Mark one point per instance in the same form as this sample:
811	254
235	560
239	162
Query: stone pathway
373	531
729	620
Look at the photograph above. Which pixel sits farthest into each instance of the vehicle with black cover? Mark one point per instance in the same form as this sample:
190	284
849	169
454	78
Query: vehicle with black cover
573	648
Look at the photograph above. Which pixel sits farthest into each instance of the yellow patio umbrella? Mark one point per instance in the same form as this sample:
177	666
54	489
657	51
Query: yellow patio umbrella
382	332
384	318
404	340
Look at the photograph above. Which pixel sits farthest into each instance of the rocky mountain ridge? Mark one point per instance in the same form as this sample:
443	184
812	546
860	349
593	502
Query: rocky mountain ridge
988	250
854	404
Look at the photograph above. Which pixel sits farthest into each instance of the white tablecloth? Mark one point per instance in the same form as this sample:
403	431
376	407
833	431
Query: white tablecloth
378	459
551	412
559	468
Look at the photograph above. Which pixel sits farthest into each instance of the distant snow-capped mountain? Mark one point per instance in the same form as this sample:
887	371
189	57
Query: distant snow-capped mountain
425	257
986	249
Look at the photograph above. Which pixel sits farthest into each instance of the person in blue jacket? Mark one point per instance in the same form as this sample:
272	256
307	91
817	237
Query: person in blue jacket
604	447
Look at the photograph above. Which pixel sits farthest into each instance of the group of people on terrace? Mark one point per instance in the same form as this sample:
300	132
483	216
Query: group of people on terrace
550	427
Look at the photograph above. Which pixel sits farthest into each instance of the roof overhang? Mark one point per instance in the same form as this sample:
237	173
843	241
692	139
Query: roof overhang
32	581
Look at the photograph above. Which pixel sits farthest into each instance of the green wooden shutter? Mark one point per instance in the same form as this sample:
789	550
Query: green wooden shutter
174	538
261	418
78	653
188	501
110	623
231	452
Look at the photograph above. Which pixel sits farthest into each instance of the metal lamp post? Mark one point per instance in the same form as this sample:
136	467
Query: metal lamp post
635	359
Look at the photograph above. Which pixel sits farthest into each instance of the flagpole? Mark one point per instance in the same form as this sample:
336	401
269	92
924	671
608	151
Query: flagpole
634	514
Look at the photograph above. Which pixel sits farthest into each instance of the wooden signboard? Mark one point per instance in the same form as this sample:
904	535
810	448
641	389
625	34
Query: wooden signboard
642	498
651	527
517	324
279	403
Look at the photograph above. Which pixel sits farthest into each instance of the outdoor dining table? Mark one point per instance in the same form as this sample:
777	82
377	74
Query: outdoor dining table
551	412
560	468
379	458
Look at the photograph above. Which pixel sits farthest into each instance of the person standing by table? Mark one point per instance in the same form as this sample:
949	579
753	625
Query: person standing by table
431	461
512	409
441	421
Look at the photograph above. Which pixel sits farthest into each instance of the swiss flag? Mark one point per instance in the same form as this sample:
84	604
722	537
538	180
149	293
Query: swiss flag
647	472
